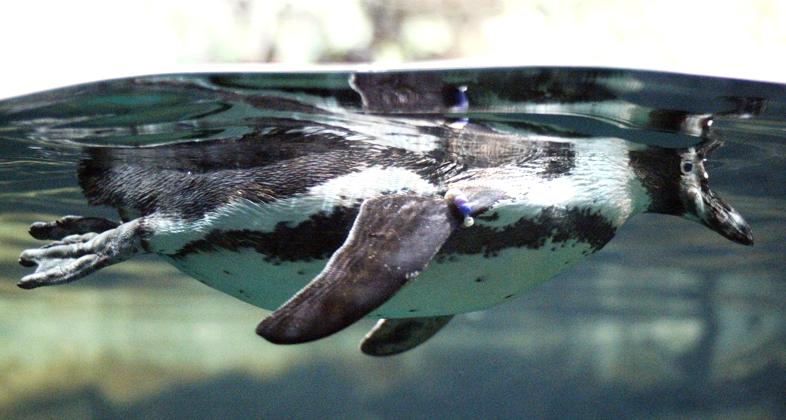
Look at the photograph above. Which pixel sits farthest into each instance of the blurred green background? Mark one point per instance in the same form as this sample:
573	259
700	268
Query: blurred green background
49	43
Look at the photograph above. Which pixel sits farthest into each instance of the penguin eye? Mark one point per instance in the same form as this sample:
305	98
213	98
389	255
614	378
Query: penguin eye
687	167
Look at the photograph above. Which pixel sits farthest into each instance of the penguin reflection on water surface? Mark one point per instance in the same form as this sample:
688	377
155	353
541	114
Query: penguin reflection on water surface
330	224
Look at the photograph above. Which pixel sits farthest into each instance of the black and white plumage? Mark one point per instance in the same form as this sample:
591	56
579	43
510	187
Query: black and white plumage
357	205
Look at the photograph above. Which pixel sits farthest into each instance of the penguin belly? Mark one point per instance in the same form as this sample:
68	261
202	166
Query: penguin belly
478	267
451	285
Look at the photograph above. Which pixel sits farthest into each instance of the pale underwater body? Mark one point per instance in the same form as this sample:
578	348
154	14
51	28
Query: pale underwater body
454	282
331	212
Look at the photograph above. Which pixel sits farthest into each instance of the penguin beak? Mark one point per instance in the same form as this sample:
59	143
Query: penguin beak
722	218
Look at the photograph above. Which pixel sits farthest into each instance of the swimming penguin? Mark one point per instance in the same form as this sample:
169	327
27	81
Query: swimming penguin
333	221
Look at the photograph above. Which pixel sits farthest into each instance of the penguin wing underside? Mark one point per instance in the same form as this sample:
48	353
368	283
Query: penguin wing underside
392	240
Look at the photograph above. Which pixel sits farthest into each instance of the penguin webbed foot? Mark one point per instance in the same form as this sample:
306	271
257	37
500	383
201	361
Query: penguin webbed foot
394	336
75	255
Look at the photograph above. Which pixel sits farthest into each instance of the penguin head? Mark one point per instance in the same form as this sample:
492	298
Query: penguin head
703	205
678	184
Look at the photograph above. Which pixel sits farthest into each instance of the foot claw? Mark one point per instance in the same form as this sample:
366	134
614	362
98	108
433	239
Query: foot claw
24	262
27	285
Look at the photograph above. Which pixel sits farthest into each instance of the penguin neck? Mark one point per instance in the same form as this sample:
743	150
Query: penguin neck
600	180
641	200
657	178
616	197
604	179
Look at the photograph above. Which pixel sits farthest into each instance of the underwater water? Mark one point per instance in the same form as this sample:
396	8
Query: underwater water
669	319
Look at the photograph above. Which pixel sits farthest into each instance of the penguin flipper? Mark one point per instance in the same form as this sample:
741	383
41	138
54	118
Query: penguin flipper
392	240
397	335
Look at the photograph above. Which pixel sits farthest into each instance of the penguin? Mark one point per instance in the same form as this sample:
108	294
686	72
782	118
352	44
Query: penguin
407	219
